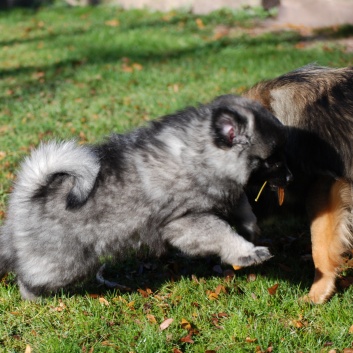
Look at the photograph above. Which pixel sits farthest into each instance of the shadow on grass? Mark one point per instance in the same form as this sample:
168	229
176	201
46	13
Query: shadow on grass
291	263
97	54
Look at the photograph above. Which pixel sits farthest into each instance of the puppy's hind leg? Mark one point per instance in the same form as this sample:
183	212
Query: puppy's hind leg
206	234
329	207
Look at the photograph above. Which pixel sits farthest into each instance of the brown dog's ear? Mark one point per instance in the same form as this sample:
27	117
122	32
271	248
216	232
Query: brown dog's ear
229	128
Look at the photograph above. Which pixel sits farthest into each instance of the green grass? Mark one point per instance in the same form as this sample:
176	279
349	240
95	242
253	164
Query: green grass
82	73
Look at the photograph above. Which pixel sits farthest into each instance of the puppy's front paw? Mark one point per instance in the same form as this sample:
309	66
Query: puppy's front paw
256	255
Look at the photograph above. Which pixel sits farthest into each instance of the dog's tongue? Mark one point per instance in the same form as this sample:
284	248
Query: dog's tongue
280	193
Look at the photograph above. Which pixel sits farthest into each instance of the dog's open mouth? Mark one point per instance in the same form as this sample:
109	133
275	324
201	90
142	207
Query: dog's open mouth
280	193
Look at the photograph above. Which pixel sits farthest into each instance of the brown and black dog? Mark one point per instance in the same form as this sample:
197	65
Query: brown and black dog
316	103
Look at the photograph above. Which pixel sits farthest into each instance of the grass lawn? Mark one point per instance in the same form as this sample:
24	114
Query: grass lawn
84	72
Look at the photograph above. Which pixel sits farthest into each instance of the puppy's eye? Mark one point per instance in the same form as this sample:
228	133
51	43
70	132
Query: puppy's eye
272	165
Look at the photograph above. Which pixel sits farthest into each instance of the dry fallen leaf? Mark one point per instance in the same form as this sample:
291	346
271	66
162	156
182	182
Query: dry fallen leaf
103	301
212	296
131	305
220	289
350	329
112	23
272	290
151	318
28	349
59	308
165	324
199	23
185	324
187	339
143	293
250	340
108	344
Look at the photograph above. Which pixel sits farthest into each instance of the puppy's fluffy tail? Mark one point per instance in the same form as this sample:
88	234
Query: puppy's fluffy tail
53	158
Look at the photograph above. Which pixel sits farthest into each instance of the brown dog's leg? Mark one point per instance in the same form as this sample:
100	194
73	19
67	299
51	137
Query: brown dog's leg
328	207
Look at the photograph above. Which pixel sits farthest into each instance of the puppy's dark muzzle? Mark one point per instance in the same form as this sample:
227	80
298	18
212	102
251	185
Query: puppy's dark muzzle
279	184
281	181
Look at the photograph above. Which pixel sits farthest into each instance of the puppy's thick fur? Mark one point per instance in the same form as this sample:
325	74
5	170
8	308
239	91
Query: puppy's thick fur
317	104
175	181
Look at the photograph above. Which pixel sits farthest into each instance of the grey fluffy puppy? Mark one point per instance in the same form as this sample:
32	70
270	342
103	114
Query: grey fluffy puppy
176	181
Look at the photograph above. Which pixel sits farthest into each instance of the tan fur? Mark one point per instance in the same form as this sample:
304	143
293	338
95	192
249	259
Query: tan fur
319	100
329	211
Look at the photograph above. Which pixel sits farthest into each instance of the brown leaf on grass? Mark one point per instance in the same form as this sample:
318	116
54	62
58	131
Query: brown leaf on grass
131	305
250	340
151	318
350	329
145	293
187	339
109	344
348	350
220	32
299	323
137	66
2	155
61	307
38	75
210	351
220	289
220	315
185	324
165	324
131	68
112	23
215	322
103	301
272	290
301	45
28	349
212	296
5	128
199	23
176	350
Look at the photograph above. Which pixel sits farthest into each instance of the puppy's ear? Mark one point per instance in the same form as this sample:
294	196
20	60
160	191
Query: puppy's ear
229	128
